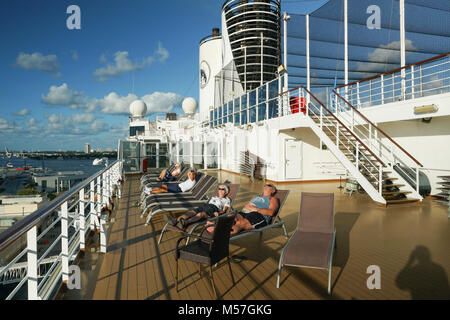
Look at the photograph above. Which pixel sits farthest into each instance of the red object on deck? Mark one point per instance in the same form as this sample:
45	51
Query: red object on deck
297	104
144	165
20	169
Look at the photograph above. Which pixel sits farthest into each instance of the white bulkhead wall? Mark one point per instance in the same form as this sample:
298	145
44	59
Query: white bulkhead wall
210	61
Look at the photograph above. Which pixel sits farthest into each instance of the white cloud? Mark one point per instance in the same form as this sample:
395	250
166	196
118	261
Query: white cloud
6	126
37	61
162	53
64	96
389	53
123	64
76	124
22	113
162	101
113	103
74	55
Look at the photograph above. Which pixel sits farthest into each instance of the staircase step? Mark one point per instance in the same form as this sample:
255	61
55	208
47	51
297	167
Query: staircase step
384	193
398	185
399	201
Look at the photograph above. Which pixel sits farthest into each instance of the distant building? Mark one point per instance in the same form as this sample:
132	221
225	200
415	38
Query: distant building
59	181
11	206
87	148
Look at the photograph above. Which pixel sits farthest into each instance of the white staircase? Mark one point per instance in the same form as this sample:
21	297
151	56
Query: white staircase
374	159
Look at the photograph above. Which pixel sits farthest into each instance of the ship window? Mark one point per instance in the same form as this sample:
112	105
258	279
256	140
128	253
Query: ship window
252	115
252	98
138	130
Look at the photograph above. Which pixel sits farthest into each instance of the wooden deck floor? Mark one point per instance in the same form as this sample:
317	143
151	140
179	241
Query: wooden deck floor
136	267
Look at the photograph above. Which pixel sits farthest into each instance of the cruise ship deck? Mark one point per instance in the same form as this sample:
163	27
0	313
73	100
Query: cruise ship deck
136	267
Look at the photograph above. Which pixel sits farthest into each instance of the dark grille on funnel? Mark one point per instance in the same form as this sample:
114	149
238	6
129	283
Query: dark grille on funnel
245	21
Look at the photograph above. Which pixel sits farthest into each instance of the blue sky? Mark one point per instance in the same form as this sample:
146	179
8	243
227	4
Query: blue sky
61	88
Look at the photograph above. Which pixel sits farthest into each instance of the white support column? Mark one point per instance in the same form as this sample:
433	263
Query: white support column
104	198
382	89
92	206
412	82
308	66
64	242
267	100
81	218
99	196
285	20
103	234
402	45
346	47
32	271
191	151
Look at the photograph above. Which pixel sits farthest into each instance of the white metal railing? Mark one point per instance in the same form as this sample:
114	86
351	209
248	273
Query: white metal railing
256	105
68	218
390	152
417	80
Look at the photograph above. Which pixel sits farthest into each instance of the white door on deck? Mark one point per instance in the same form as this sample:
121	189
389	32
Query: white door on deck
293	159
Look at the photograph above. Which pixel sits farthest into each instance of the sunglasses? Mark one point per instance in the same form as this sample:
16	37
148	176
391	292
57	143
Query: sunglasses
222	189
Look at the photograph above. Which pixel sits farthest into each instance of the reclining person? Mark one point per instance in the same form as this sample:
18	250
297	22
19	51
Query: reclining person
215	207
258	212
167	176
177	187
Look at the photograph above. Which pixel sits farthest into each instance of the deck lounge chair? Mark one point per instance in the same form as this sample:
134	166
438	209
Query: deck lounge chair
148	198
189	205
281	195
208	251
197	194
155	175
153	179
154	182
312	243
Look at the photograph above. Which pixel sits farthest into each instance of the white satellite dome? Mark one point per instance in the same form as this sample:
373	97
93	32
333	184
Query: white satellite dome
189	106
138	109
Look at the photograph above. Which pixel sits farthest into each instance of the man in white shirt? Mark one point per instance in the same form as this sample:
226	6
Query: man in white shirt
177	187
215	206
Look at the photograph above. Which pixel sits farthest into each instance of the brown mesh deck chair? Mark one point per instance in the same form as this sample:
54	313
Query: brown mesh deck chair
150	198
312	243
208	251
198	196
281	195
154	175
186	206
155	183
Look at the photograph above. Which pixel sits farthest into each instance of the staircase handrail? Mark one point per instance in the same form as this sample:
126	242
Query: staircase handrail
343	125
378	129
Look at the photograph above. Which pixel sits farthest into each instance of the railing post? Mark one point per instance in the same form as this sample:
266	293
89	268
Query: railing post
370	92
337	134
370	136
92	206
32	271
81	218
64	242
337	105
421	80
358	100
357	155
103	234
412	82
417	179
382	89
380	179
99	196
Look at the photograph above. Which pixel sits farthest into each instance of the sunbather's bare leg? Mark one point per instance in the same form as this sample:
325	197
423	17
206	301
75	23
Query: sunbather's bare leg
162	189
240	225
187	215
162	175
199	216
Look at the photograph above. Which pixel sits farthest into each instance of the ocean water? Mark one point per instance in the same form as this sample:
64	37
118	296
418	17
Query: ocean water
57	165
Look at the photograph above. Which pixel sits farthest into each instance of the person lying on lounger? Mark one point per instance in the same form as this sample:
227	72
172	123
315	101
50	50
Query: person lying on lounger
215	207
167	176
177	187
258	212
